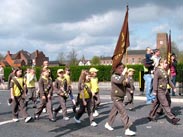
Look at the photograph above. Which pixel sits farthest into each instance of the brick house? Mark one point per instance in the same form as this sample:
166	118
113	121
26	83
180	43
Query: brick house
133	57
24	58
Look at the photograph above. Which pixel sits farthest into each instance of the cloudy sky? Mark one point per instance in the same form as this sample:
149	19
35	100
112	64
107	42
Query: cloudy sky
90	27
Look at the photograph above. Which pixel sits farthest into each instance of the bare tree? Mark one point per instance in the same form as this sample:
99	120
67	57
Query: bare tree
61	57
72	57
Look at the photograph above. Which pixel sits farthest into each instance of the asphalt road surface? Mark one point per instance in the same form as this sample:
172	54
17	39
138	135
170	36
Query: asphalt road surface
62	128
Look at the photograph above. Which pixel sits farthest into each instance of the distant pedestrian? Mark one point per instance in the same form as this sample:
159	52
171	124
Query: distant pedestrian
173	71
118	82
2	77
161	80
148	69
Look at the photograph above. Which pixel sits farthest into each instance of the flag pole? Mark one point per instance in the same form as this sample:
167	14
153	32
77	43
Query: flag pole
126	55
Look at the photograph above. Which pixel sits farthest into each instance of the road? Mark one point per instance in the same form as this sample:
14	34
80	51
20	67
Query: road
61	128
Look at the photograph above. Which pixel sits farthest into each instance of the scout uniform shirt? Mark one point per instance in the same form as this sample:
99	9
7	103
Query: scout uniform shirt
67	77
118	87
60	82
94	84
161	79
45	86
31	80
86	90
16	91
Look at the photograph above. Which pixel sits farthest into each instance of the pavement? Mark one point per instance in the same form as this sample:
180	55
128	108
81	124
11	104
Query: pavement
62	128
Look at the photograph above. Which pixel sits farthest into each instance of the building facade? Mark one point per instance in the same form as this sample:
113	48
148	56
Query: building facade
24	58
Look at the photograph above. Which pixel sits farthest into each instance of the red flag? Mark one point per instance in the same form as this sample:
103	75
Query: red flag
122	44
169	48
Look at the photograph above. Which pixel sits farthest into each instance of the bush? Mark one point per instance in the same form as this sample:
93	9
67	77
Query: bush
104	73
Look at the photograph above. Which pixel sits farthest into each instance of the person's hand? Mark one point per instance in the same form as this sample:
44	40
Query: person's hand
175	90
124	71
154	94
43	98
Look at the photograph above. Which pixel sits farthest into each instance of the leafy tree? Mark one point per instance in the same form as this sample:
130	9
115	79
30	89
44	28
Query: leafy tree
95	60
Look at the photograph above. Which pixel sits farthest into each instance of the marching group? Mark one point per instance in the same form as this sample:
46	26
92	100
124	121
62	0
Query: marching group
157	81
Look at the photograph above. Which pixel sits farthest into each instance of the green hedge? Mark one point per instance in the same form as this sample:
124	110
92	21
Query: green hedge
104	73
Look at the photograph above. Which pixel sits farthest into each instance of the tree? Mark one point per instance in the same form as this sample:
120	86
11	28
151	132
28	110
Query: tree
1	56
95	60
61	57
72	57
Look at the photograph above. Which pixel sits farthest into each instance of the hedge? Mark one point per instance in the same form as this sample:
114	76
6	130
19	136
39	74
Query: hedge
104	73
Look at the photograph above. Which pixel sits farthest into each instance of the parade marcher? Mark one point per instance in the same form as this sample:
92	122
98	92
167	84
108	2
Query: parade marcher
160	82
173	71
69	83
118	83
46	91
11	75
61	89
130	88
31	87
148	68
18	96
95	91
2	77
85	97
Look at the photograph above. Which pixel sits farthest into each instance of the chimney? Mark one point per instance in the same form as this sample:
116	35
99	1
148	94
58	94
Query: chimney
8	52
37	52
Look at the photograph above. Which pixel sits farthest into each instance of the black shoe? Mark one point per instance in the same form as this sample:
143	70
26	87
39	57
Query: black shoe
52	120
152	119
175	120
34	106
74	109
54	114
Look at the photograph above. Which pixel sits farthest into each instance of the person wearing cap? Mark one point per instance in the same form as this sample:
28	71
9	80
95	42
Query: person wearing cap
61	89
46	92
95	91
17	88
130	88
118	83
69	83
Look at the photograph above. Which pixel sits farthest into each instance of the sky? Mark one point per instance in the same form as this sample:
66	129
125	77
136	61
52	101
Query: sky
90	27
